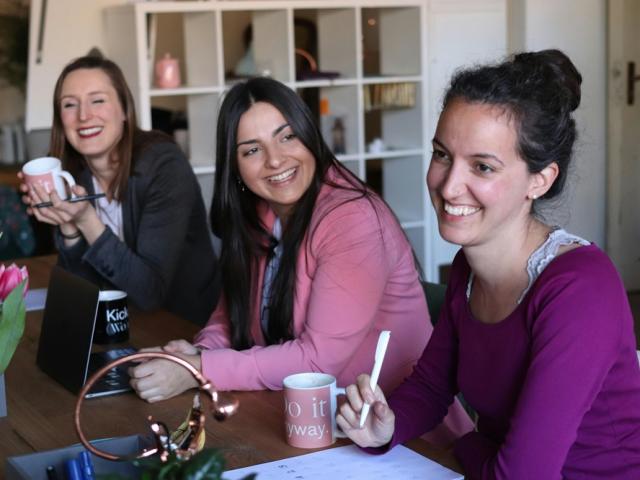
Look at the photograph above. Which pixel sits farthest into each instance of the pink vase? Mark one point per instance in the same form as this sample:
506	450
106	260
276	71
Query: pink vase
167	72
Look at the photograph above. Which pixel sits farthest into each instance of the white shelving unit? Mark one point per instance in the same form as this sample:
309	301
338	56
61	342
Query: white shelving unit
375	50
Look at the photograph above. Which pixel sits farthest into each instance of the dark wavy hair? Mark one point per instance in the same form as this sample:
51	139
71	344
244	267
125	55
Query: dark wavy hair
540	90
234	215
132	138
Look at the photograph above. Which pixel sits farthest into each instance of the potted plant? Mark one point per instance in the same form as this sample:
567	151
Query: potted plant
13	288
207	464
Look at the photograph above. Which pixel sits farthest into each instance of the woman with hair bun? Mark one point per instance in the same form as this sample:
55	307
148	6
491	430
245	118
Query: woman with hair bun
536	330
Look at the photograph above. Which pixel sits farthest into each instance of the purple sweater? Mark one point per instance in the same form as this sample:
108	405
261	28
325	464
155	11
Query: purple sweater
556	384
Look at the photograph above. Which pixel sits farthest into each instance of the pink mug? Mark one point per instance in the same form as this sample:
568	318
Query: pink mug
47	172
310	402
167	72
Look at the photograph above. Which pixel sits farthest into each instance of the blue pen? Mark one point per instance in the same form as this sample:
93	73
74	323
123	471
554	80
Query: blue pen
72	470
86	465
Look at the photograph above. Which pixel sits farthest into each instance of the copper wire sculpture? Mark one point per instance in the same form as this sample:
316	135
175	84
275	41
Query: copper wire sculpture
221	407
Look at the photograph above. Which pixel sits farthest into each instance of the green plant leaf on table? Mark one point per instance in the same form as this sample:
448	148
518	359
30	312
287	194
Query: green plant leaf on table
11	324
207	464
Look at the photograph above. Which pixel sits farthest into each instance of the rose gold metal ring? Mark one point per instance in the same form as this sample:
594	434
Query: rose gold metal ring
220	408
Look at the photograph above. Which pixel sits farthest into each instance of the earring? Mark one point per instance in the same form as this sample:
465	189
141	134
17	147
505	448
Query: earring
534	196
241	184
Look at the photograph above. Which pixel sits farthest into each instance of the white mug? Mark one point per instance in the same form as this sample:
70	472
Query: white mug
47	172
310	402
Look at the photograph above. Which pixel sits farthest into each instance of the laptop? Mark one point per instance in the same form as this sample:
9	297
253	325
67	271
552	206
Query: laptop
66	338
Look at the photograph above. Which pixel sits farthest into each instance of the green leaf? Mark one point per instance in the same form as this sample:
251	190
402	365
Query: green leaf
207	464
11	324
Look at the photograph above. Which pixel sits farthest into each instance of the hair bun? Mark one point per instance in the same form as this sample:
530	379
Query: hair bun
555	69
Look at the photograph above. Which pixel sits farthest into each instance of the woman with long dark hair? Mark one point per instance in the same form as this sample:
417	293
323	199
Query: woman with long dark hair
148	236
314	263
536	329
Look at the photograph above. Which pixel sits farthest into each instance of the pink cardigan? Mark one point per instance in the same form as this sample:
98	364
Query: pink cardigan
355	277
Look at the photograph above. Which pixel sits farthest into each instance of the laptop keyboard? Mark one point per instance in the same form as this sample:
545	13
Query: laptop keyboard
116	379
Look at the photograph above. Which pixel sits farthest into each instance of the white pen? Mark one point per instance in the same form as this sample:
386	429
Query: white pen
381	349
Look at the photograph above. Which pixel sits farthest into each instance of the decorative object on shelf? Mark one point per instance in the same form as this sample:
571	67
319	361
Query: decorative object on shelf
14	282
376	146
385	96
167	72
338	137
178	454
312	71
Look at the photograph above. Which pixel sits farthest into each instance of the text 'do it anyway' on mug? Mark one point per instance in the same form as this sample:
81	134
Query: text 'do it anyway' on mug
47	171
310	402
112	321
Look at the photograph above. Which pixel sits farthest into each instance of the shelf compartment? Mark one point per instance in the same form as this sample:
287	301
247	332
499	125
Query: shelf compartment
335	110
400	182
391	41
256	43
399	127
328	36
194	40
200	112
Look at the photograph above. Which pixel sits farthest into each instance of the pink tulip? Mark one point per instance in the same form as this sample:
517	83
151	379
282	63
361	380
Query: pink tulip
10	278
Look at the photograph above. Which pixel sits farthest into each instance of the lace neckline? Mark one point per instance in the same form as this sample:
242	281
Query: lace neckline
541	257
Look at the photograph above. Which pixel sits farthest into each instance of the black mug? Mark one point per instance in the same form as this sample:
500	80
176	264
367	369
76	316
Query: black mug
112	321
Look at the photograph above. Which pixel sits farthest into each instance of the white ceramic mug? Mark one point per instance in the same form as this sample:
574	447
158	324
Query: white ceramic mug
310	402
47	172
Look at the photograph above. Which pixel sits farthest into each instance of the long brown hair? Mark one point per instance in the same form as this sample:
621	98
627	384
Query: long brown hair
72	160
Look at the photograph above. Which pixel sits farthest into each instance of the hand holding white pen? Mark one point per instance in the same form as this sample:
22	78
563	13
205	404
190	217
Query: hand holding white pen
381	349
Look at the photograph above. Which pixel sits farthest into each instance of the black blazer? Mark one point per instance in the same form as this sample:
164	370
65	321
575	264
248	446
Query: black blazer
167	258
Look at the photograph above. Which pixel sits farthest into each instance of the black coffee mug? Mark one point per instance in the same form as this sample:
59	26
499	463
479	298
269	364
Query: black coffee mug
112	322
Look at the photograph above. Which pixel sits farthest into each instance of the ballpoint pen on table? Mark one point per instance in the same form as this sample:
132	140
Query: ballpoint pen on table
51	473
381	348
71	200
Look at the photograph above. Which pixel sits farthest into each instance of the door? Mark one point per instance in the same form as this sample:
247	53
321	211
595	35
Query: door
623	222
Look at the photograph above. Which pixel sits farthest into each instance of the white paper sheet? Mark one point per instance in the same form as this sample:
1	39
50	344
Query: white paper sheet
35	299
350	463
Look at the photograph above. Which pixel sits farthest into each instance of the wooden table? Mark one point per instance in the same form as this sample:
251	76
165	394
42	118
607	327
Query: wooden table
41	411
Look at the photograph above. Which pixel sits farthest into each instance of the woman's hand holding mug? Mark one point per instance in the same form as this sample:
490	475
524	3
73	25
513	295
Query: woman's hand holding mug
43	180
47	173
380	424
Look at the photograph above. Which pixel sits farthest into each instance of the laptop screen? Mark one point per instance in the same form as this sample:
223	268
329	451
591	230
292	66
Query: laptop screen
67	328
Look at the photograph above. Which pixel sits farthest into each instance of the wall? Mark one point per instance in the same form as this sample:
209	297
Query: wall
73	27
460	33
578	27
